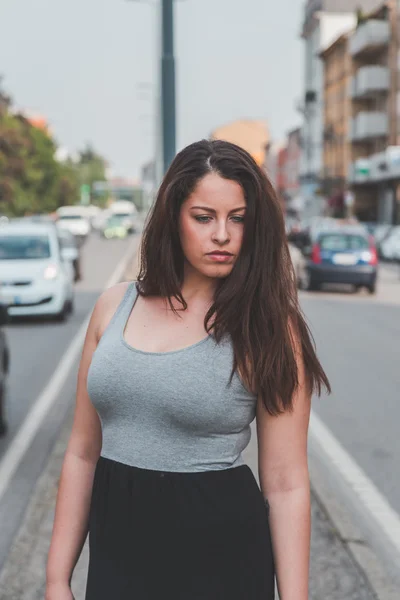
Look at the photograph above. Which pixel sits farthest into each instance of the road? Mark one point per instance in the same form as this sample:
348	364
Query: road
356	335
36	348
357	339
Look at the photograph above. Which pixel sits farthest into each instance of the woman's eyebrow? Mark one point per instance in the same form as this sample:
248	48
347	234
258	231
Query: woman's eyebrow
211	210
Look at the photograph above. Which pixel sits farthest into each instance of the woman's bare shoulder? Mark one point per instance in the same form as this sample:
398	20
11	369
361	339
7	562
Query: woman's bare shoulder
107	304
113	294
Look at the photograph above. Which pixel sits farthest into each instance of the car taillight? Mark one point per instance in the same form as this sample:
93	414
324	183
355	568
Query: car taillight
316	254
373	256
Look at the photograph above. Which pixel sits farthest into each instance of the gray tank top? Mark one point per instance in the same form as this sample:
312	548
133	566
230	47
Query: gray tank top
169	411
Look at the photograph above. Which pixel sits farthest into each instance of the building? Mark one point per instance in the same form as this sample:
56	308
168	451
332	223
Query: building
292	171
252	135
324	21
280	186
282	165
271	162
375	136
337	66
149	183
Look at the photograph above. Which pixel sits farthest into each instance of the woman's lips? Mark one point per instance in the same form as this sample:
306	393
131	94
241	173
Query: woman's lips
220	258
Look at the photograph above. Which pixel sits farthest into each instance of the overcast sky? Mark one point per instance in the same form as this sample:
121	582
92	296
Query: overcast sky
83	64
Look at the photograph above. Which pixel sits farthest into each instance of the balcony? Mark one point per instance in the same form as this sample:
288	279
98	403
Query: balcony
369	37
370	81
369	125
381	166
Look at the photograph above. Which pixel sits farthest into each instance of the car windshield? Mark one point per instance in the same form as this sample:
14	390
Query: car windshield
24	247
340	242
70	217
115	220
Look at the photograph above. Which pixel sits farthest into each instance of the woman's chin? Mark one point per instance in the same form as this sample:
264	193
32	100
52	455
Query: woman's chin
218	271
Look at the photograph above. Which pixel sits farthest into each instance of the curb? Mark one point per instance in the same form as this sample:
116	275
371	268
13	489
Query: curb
352	531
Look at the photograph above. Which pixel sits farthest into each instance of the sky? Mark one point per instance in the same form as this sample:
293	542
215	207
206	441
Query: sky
91	67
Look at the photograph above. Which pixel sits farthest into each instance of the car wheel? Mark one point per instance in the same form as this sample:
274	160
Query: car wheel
308	282
77	273
3	423
63	314
372	288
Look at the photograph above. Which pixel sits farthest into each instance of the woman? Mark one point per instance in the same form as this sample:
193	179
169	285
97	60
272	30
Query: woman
175	367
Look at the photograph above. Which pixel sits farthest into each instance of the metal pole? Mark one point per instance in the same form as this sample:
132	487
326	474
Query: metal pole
168	107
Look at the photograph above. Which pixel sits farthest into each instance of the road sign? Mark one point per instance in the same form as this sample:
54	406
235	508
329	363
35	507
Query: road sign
85	194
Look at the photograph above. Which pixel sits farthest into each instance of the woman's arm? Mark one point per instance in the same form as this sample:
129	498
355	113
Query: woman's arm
284	481
84	447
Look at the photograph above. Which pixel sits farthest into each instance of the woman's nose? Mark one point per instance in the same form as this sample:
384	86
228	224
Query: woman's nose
221	233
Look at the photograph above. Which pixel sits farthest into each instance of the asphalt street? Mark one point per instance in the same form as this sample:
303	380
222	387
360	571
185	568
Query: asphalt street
357	339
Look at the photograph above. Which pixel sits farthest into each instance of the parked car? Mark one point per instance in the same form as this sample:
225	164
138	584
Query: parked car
381	233
36	279
70	250
74	220
342	255
115	227
4	369
128	214
390	246
299	264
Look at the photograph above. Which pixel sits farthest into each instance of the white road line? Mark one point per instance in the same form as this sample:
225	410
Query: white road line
367	493
26	433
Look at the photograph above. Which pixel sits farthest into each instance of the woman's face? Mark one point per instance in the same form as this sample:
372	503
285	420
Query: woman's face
211	226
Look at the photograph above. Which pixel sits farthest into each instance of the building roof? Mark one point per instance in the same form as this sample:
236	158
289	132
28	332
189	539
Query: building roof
335	6
252	135
342	39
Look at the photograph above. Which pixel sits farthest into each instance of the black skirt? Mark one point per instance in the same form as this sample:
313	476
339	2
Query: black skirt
182	536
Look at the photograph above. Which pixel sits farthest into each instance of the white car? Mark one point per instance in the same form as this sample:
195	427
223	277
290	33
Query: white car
299	264
36	279
74	220
127	212
390	247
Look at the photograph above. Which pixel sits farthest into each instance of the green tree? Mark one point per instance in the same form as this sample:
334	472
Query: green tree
32	180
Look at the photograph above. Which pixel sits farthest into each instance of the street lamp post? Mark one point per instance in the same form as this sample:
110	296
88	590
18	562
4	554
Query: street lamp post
168	99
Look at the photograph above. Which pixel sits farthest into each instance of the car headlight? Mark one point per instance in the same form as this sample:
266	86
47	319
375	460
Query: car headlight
51	272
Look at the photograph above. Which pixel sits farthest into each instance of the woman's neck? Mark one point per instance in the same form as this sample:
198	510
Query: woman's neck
198	288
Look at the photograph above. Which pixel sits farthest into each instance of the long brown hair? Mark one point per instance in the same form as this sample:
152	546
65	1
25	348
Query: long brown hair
257	304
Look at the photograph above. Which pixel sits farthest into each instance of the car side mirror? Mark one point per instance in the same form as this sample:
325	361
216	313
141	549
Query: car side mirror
4	316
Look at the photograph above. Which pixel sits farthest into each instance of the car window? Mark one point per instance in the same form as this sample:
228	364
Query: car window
70	217
19	247
339	242
115	220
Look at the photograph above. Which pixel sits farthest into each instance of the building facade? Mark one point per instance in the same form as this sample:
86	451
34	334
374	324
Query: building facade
374	172
282	166
272	162
324	21
337	113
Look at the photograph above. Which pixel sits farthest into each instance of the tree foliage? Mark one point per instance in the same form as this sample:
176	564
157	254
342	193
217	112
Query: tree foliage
32	180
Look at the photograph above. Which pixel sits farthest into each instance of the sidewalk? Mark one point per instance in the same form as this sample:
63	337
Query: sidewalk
334	574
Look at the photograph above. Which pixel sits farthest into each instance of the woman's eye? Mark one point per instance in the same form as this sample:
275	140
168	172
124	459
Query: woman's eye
238	219
201	219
